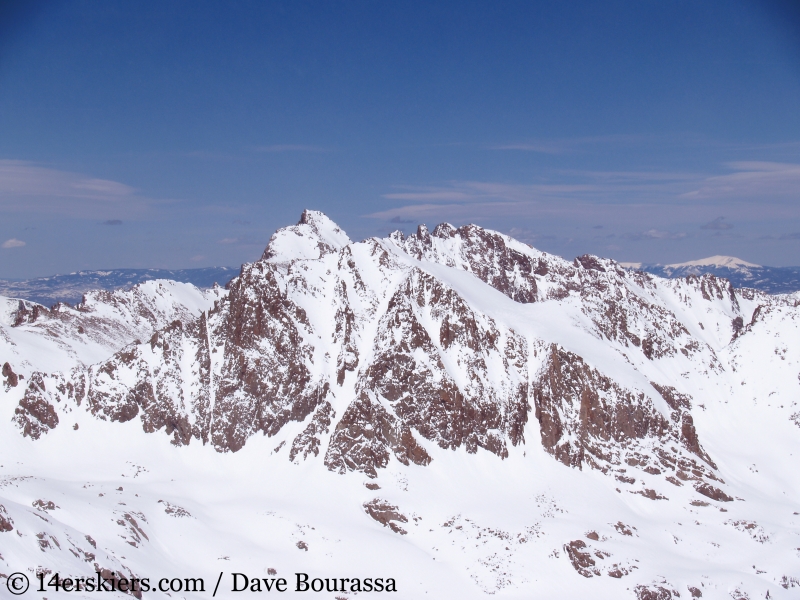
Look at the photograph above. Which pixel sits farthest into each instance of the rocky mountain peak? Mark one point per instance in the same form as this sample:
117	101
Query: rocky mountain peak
314	236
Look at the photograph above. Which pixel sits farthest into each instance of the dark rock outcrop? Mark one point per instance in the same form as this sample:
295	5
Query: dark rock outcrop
6	524
584	416
12	379
386	514
581	558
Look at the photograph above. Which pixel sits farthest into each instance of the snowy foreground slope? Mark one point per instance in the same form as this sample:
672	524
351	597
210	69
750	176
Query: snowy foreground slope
454	410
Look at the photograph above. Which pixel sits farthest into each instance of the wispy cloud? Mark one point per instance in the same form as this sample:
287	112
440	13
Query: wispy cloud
570	145
756	179
28	187
541	147
27	179
754	190
290	148
13	243
717	224
112	222
561	209
228	240
655	234
429	196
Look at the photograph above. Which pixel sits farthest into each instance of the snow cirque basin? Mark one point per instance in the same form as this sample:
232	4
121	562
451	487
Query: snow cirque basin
485	525
95	493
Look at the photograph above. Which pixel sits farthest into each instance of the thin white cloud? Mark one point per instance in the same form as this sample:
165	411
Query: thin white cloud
755	190
457	212
655	234
28	187
569	145
290	148
755	179
13	243
228	240
429	196
717	224
541	147
27	179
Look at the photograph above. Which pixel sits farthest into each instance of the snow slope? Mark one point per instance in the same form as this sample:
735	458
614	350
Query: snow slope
454	410
35	338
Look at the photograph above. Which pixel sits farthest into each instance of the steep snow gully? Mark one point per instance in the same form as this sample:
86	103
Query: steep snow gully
453	411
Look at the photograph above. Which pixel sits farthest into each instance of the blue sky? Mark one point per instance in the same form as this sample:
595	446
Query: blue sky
179	134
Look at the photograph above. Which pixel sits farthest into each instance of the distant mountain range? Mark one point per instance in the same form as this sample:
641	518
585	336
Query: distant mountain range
772	280
71	288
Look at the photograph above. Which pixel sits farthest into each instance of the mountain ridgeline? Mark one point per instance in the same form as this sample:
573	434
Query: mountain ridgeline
456	337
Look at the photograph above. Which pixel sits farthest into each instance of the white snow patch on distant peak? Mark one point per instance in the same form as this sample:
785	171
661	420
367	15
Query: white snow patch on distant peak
313	236
715	261
630	265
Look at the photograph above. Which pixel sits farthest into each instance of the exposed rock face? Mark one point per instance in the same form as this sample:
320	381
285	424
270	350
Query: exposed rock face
581	558
108	574
582	412
712	492
6	524
386	514
408	373
655	592
714	288
493	258
367	353
35	414
11	378
365	436
258	380
587	419
264	380
308	442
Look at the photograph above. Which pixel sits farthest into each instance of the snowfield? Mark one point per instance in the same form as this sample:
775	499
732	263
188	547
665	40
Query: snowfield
454	410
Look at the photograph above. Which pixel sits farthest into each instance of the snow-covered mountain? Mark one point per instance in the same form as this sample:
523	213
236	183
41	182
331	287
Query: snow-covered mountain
70	288
772	280
453	410
730	262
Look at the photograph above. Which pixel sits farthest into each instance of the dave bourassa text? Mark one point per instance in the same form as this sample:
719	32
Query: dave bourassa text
303	583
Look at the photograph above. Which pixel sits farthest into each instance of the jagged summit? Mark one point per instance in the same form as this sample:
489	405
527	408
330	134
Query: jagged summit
313	236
